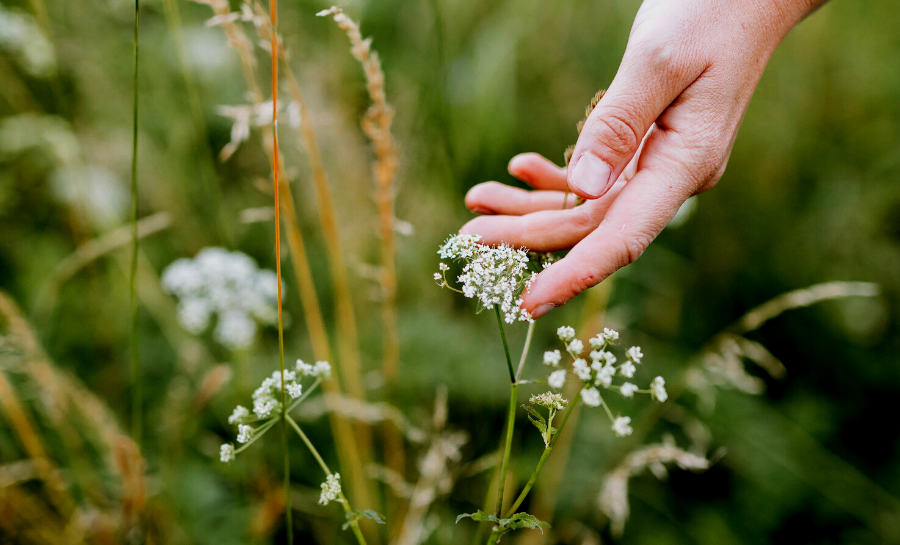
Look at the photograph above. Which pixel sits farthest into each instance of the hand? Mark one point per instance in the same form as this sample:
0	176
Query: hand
663	132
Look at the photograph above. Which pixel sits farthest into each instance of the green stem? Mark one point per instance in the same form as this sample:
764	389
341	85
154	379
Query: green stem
494	538
137	390
512	374
510	427
540	465
354	524
525	350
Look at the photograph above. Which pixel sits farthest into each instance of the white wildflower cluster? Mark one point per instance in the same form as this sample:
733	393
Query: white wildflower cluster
228	285
549	400
267	402
331	489
599	373
494	275
553	403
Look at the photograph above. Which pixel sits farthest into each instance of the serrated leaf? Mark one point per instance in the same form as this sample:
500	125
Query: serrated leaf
524	520
479	516
353	516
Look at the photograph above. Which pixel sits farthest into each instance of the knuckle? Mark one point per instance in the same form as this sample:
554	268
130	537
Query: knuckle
632	247
614	129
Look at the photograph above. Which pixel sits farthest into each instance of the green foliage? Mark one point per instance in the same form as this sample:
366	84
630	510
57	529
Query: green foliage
354	516
518	521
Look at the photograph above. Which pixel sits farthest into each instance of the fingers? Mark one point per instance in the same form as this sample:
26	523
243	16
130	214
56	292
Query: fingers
497	198
538	172
546	230
647	82
641	210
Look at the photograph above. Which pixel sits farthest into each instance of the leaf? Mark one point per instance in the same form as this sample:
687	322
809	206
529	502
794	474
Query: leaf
524	520
536	418
354	516
480	516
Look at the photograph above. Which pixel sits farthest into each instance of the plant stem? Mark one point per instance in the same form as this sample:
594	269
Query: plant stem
540	465
525	350
512	374
273	16
510	427
137	390
354	524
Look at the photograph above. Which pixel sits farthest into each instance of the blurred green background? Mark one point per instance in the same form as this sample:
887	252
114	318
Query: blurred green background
811	194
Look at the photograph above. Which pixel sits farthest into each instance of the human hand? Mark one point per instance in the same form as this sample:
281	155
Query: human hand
663	132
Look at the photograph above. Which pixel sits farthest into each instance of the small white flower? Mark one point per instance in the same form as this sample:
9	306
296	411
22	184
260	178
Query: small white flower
331	489
597	342
634	354
438	277
443	266
554	402
591	397
244	433
581	369
552	358
622	426
605	376
575	347
322	370
294	390
627	369
658	389
305	369
628	389
565	333
557	379
602	356
610	334
239	415
226	453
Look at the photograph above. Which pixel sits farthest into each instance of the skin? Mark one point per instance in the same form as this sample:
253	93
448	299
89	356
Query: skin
662	133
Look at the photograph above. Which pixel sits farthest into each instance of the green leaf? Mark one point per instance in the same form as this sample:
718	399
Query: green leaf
479	516
524	520
536	418
354	516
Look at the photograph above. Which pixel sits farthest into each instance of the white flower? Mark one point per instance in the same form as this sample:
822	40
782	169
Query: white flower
459	247
552	358
610	334
265	406
305	369
244	433
554	402
658	389
294	390
557	379
226	453
581	369
591	397
597	342
227	285
575	347
628	389
239	415
605	376
565	333
622	426
322	370
331	489
602	356
627	369
438	277
634	354
443	266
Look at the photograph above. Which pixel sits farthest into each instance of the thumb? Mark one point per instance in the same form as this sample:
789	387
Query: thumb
647	82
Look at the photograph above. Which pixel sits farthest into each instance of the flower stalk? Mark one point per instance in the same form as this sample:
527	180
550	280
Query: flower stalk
137	388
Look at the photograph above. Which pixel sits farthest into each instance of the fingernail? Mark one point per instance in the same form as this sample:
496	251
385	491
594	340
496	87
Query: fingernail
591	175
482	210
541	310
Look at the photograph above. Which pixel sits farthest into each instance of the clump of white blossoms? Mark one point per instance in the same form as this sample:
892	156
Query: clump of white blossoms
331	489
600	373
496	276
267	403
228	286
553	403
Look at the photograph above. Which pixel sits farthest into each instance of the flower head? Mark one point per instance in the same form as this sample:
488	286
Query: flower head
634	354
331	489
239	415
554	402
591	397
627	369
622	426
557	379
575	347
565	333
658	389
226	453
294	389
628	389
244	433
552	358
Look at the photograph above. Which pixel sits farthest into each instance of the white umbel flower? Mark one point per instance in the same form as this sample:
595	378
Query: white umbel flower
244	433
628	389
565	333
628	369
575	347
622	426
226	453
554	402
634	354
581	369
591	397
552	358
658	389
294	390
239	415
557	379
322	370
331	489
